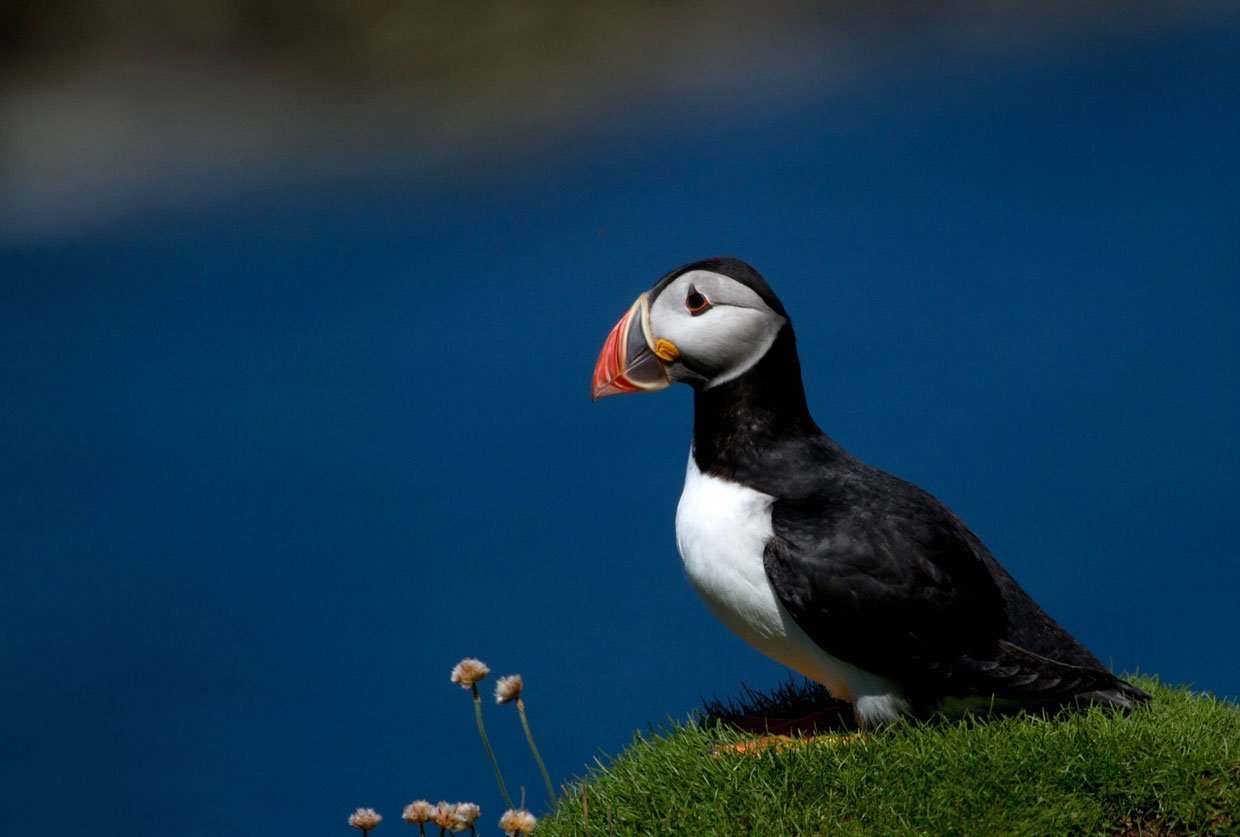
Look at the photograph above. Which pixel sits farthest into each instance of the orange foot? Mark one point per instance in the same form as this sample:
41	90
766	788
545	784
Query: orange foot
783	743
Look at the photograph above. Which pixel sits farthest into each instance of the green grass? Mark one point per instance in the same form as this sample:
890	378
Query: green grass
1171	767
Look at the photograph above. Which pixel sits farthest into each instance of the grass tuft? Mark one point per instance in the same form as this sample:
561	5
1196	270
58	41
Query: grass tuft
1172	767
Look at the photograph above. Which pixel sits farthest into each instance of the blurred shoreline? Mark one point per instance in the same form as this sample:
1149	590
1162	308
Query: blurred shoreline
112	110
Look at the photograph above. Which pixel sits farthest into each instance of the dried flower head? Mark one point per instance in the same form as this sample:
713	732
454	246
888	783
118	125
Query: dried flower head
364	819
508	689
444	815
418	812
468	672
467	812
517	822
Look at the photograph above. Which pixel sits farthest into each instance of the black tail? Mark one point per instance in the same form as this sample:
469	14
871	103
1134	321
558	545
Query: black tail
1124	695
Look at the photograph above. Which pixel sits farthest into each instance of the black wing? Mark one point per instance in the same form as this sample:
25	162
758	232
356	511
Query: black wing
881	575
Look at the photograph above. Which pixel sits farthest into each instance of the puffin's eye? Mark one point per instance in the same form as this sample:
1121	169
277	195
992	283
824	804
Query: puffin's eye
695	302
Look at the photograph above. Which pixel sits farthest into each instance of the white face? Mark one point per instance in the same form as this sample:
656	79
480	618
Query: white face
721	327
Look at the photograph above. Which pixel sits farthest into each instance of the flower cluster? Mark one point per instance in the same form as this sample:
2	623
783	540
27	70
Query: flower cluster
466	674
462	816
457	817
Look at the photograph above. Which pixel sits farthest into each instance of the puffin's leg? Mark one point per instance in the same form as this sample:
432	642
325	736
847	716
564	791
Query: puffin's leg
779	743
755	746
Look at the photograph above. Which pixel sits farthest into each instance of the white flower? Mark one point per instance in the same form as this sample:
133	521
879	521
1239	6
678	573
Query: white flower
468	672
364	819
467	812
508	689
444	815
517	822
418	812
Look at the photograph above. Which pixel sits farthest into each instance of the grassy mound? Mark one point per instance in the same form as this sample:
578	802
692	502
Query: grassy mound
1172	767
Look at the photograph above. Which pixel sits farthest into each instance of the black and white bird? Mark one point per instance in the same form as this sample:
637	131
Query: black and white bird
855	578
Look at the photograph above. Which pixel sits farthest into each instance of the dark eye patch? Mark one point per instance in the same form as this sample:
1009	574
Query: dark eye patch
695	302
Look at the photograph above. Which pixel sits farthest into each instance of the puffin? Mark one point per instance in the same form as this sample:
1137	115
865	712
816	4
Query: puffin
852	577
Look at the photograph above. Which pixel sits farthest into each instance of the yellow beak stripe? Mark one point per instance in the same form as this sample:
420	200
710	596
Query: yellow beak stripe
666	350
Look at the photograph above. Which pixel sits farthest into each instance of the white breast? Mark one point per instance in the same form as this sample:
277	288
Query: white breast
721	531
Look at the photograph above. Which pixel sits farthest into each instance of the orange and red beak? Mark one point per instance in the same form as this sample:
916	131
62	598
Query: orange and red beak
629	361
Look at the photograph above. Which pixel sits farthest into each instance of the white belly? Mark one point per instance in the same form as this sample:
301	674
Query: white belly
721	531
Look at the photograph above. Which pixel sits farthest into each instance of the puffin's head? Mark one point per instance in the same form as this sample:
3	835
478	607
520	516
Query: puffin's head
702	324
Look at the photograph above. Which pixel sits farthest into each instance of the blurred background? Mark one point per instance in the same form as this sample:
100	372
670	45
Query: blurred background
300	304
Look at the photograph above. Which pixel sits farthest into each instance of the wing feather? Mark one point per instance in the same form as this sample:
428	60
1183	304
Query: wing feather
898	586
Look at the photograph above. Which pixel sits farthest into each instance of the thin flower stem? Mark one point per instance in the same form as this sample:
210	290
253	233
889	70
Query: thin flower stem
486	743
529	736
